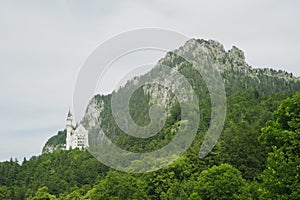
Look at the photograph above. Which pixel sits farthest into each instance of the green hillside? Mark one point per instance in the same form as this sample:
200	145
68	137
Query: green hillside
55	142
256	156
251	161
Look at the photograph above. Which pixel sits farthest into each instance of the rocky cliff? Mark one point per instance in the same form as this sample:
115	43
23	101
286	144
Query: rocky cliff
237	74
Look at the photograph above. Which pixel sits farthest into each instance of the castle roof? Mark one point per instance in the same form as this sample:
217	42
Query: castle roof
69	114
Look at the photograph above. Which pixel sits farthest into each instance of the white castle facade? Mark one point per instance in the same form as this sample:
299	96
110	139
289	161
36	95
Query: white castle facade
77	137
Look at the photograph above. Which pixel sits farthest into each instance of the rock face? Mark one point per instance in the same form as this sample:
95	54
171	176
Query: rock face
237	75
92	114
231	60
231	64
55	142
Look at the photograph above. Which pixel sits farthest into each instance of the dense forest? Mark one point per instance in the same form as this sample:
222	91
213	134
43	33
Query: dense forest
256	157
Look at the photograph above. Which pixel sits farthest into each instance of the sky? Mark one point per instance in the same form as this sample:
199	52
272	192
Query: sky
43	44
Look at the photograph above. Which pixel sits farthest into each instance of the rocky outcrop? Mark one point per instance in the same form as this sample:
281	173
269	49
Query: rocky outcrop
93	111
237	75
230	62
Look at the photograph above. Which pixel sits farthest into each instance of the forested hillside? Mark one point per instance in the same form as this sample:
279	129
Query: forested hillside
252	160
256	157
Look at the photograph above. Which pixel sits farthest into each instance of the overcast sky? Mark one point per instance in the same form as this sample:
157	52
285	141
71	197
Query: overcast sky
44	43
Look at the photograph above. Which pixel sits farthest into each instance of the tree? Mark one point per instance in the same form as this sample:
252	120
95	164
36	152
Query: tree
117	185
75	195
42	194
5	193
281	136
221	182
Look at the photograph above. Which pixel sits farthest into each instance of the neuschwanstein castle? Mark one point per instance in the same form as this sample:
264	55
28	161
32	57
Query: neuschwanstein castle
77	137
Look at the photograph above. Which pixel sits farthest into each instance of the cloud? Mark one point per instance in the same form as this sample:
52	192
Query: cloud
44	43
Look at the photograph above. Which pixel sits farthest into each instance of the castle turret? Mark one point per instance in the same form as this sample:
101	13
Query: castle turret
69	128
77	137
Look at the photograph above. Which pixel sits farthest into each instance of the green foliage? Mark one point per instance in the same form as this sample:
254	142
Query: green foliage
139	107
42	194
60	172
5	193
281	137
9	171
239	167
76	174
56	141
238	145
118	185
221	182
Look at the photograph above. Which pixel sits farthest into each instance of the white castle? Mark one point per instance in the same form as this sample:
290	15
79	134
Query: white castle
77	137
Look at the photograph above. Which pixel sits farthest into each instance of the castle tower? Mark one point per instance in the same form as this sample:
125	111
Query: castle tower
69	128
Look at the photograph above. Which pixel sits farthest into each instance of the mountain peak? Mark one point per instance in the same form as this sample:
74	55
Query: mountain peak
208	46
232	60
214	50
200	49
235	51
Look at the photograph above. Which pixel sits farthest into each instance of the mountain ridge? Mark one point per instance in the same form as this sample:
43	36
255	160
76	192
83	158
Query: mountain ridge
256	151
237	75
